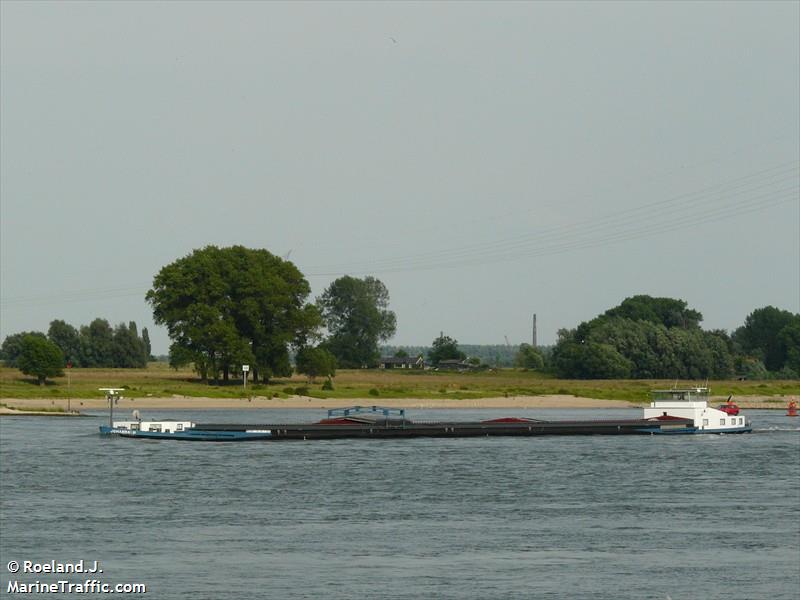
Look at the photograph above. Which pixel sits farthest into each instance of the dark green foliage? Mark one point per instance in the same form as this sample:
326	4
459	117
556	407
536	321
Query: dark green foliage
445	348
374	392
146	341
590	360
328	384
225	307
752	368
668	312
401	353
315	362
40	357
12	346
529	357
789	340
772	335
355	312
66	337
128	349
656	337
97	343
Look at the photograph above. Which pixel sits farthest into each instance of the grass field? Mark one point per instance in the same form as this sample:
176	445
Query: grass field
158	380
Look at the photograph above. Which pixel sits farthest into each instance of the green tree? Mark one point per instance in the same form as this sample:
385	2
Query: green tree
590	360
668	312
315	362
789	339
128	350
444	348
356	315
66	337
41	358
12	346
528	357
146	340
759	336
97	344
227	306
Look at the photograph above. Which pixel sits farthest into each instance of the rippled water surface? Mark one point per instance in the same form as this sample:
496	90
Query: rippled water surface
697	517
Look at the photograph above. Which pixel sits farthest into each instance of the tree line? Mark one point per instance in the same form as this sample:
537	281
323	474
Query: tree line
226	307
96	345
661	338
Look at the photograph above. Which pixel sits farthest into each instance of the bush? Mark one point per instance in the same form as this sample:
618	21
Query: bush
301	390
374	392
328	385
288	390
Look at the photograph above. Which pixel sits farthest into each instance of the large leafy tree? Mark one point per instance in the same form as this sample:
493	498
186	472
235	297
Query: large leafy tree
445	348
227	306
40	357
644	337
66	337
315	362
12	346
128	349
528	357
761	336
668	312
590	360
789	338
97	344
356	314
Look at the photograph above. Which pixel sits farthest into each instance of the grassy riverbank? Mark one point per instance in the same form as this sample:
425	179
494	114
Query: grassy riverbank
158	380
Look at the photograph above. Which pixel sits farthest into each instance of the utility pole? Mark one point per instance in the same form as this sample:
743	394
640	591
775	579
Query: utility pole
534	330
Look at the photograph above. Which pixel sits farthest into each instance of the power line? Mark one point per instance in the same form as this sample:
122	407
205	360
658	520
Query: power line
756	191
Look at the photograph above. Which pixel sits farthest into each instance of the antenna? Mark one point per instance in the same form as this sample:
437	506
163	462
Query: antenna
534	330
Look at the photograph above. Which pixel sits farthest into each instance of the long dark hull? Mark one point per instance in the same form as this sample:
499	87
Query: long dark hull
455	429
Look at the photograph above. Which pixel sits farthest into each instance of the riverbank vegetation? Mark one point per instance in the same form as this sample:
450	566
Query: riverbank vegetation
236	308
158	380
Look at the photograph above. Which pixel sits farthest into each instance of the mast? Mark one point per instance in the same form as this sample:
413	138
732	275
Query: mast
113	397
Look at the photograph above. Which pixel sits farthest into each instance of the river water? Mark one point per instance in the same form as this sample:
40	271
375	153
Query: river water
677	517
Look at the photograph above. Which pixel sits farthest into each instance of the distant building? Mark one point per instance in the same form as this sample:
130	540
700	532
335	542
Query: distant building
401	362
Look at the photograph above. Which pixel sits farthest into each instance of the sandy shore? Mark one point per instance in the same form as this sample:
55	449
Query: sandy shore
30	405
188	402
13	412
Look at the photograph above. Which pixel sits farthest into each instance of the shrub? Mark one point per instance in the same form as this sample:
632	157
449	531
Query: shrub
301	390
327	385
374	392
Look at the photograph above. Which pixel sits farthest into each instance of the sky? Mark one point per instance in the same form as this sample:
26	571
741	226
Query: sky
486	161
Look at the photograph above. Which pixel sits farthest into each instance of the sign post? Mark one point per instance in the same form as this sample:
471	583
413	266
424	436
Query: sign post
245	369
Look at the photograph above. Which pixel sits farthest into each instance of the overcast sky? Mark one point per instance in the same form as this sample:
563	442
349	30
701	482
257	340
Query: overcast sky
485	161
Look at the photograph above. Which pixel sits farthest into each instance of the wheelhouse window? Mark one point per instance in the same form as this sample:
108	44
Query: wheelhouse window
179	427
722	421
135	426
156	428
705	422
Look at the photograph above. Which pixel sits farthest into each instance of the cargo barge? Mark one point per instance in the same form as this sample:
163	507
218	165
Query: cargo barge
671	412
